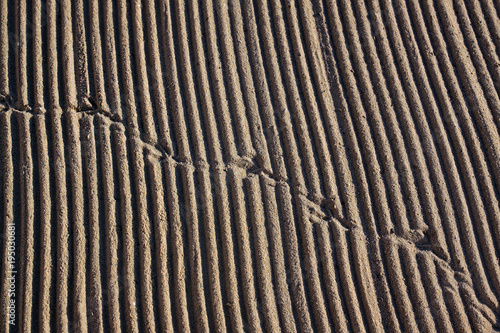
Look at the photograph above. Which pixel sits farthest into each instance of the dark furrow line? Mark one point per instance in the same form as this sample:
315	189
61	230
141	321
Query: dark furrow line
52	63
438	131
74	167
346	280
94	291
387	309
205	105
395	274
384	132
493	22
433	292
452	299
98	85
127	84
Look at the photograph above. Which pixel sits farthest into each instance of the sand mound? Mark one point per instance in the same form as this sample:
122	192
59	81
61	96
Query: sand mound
250	166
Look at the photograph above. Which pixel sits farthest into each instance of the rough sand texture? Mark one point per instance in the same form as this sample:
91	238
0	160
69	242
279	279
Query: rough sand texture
256	166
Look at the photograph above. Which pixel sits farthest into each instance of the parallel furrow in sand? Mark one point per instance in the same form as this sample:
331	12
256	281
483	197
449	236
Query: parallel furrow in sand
261	249
234	307
292	258
247	276
277	250
215	270
62	223
129	310
81	65
77	222
160	237
141	74
263	93
4	49
7	175
144	235
46	256
97	84
161	113
89	154
110	225
26	258
195	282
174	197
38	57
20	56
248	88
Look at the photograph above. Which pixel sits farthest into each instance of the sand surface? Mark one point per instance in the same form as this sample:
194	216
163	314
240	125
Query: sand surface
257	166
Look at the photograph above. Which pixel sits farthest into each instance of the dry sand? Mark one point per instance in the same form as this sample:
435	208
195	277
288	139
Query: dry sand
259	166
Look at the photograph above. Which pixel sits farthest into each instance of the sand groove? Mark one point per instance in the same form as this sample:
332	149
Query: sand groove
265	166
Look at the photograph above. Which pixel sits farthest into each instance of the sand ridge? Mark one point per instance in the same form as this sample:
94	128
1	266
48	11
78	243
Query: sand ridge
298	166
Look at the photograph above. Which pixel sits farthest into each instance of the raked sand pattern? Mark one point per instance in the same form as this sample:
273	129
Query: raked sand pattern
257	166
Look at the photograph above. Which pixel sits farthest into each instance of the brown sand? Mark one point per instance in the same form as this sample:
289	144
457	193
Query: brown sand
262	166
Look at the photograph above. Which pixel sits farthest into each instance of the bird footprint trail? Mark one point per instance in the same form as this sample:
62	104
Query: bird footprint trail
297	166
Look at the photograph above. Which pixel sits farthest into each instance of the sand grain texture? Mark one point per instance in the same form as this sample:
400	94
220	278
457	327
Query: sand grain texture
260	166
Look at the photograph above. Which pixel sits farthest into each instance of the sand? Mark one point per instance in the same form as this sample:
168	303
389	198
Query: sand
260	166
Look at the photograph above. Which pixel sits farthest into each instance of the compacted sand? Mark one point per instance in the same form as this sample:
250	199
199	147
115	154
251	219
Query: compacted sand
259	166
